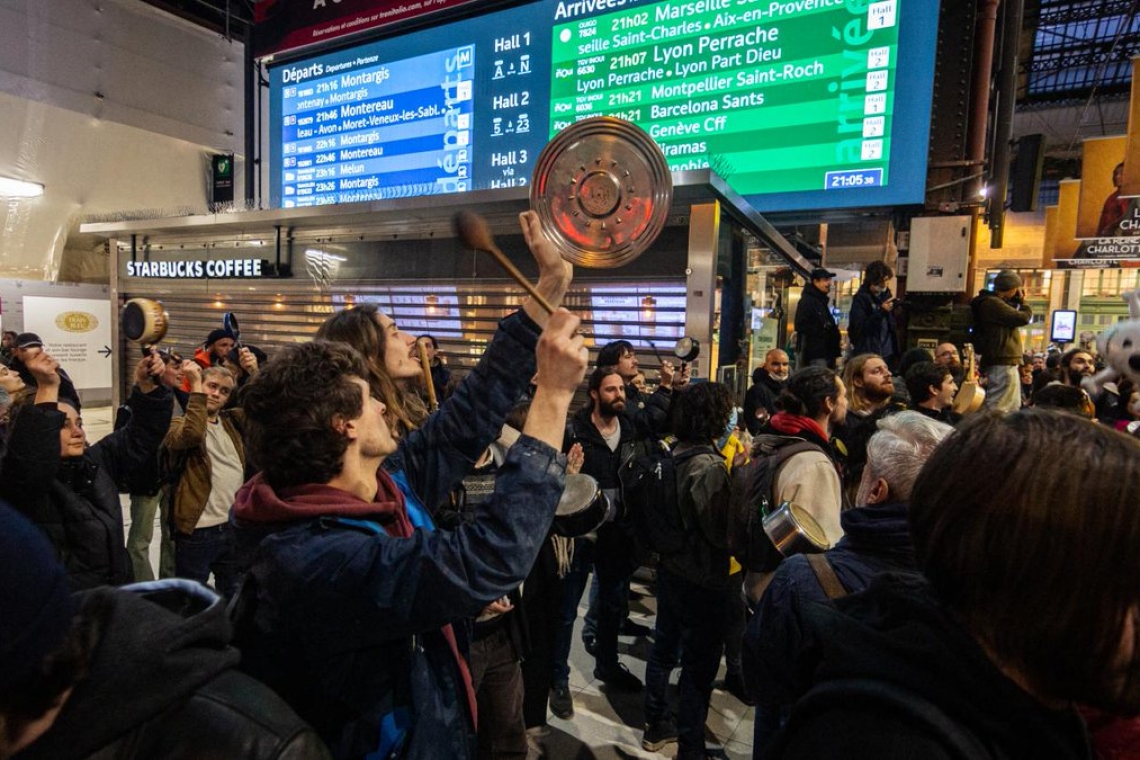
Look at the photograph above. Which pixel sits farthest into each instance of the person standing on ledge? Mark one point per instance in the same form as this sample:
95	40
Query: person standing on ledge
998	314
815	325
871	328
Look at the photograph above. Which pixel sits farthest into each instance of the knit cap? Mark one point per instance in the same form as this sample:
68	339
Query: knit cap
34	596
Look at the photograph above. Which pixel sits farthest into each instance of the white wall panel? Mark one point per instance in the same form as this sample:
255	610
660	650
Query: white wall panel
153	71
113	106
88	167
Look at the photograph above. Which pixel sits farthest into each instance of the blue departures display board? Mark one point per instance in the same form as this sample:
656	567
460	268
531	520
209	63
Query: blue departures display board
798	104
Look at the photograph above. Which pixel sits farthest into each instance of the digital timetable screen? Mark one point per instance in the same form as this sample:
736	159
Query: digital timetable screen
798	104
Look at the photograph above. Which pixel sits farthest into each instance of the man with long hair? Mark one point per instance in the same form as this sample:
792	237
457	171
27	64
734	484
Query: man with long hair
870	389
348	606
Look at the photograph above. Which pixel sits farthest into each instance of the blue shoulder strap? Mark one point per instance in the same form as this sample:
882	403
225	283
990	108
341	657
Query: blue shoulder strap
417	514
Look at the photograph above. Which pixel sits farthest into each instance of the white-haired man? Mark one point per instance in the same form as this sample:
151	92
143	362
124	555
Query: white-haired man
876	539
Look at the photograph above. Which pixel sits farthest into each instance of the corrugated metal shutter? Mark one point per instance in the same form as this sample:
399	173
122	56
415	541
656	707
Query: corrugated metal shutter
462	316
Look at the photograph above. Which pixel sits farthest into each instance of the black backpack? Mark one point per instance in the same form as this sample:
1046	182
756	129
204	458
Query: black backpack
753	499
649	493
886	698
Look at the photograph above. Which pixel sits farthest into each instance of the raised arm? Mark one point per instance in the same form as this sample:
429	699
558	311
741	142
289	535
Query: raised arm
33	457
189	430
400	586
136	444
442	452
554	273
1004	313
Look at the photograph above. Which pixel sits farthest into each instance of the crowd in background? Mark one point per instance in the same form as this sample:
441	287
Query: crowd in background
363	554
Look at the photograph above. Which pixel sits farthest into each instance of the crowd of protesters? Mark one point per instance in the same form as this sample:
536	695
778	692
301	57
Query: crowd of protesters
347	571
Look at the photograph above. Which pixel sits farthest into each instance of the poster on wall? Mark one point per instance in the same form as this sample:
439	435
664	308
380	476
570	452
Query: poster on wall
1106	231
1064	244
77	333
1050	235
1101	230
1103	213
1130	179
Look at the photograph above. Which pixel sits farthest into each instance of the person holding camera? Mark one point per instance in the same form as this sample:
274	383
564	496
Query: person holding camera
871	327
998	314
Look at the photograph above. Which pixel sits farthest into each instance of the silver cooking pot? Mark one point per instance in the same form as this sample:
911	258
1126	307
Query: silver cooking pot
793	530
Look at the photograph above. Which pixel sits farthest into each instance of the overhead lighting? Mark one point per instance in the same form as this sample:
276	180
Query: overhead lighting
18	188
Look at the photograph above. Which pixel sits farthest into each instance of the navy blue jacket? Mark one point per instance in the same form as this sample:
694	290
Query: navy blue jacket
437	456
649	412
344	620
870	329
892	658
778	654
816	329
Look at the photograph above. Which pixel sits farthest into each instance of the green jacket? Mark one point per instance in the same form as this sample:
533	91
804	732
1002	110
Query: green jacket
996	335
703	489
184	454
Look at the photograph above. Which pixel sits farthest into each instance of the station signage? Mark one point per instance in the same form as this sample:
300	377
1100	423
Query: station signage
283	25
797	104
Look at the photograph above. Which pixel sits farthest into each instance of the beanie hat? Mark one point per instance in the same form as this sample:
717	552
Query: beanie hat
216	335
34	595
1007	280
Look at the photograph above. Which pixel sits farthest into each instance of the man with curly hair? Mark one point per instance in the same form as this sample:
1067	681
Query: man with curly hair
692	584
347	608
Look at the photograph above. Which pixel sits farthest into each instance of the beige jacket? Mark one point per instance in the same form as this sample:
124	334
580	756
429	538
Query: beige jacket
809	479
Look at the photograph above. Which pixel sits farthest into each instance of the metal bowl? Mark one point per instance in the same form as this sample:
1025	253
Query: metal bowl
582	508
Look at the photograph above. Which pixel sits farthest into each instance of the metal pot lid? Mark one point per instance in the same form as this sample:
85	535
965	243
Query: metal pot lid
603	191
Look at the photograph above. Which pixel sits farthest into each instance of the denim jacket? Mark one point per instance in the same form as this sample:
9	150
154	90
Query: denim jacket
344	620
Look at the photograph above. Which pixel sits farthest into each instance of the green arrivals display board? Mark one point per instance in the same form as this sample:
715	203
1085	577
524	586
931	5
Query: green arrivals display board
797	94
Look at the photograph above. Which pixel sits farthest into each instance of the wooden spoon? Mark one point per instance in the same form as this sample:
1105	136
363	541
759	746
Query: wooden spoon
473	231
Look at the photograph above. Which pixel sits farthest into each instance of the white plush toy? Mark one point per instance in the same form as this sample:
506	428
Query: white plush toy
1119	346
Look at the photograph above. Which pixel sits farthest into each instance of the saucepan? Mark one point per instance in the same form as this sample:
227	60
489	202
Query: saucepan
144	321
793	530
582	508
